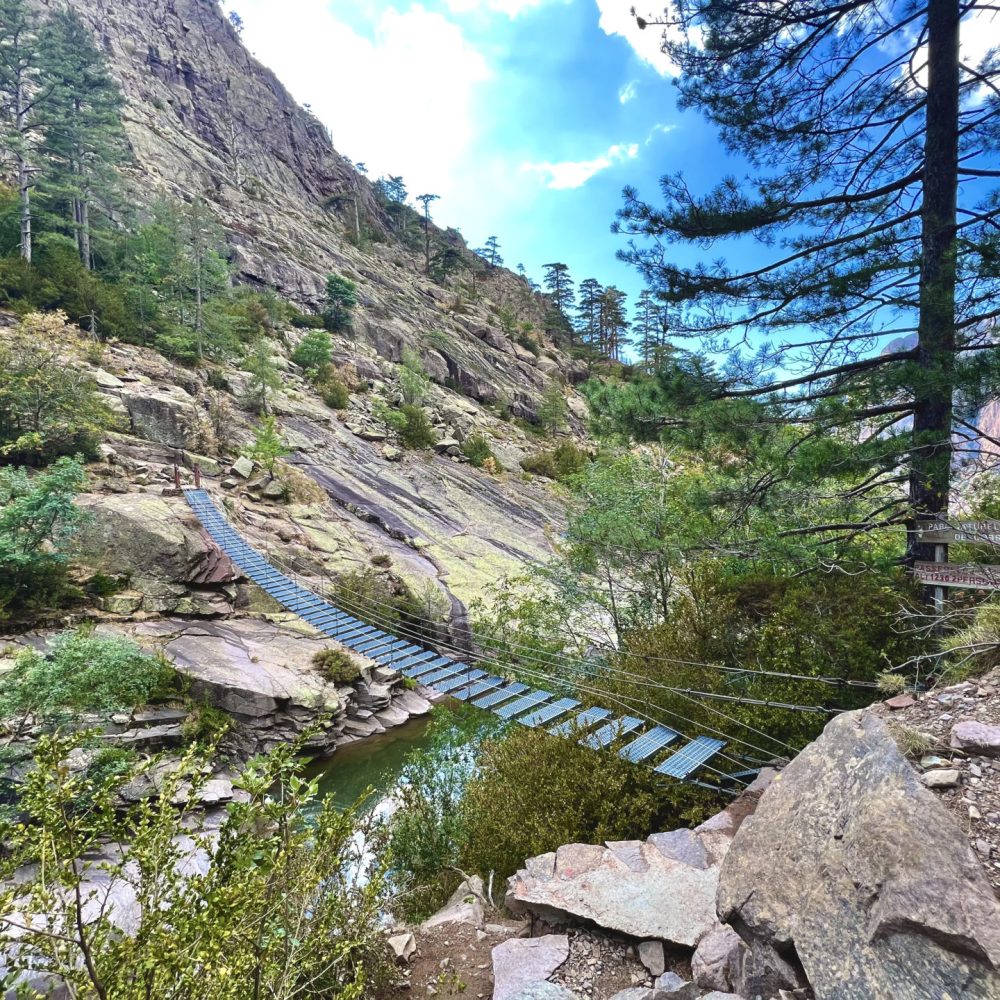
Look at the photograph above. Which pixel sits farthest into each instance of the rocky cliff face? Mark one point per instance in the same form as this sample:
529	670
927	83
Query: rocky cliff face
205	119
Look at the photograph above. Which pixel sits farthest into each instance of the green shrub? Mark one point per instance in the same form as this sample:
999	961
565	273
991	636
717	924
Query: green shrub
308	321
552	410
562	462
48	407
336	666
477	450
417	433
393	419
574	796
334	392
279	913
341	298
268	445
313	352
111	765
84	673
38	519
206	724
413	381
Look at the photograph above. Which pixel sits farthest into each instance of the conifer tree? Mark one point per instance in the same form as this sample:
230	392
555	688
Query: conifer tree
613	324
83	139
490	252
588	312
559	285
24	93
425	200
868	311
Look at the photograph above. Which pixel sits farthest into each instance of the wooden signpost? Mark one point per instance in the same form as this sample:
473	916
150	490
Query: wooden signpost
979	576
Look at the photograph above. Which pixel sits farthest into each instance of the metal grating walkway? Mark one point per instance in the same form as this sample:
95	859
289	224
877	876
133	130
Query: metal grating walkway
533	708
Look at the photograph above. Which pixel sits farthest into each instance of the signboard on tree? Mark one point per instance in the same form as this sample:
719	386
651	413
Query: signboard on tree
976	575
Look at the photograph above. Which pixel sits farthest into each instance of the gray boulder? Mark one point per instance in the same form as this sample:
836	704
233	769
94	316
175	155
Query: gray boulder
718	959
629	887
671	985
522	962
853	876
976	738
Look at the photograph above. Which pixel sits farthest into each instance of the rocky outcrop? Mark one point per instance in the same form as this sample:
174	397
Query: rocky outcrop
261	674
520	962
157	546
852	877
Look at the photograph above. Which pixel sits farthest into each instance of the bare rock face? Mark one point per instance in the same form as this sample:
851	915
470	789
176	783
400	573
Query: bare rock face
163	551
852	875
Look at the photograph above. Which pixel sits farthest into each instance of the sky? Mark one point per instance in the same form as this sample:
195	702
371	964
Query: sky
527	117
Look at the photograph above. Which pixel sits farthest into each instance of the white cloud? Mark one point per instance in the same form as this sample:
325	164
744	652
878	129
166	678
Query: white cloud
617	20
659	130
979	35
628	92
403	101
569	174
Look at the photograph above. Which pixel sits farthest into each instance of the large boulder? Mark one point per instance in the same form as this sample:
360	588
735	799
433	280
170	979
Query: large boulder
630	887
852	873
164	415
156	543
520	962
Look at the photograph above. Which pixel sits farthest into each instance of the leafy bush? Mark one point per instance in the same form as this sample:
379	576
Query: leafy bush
341	298
389	604
264	377
336	666
417	433
314	352
267	446
552	410
393	419
562	462
308	321
279	912
334	392
38	519
574	796
48	406
413	381
206	724
83	673
477	450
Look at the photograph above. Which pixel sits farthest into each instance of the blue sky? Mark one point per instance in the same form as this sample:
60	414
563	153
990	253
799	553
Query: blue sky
527	117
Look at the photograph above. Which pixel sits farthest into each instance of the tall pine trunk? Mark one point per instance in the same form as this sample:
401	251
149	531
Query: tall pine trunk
930	466
24	171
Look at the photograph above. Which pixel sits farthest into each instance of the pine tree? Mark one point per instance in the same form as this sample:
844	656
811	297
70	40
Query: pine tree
874	211
588	312
425	200
490	252
83	137
649	324
613	324
24	93
559	285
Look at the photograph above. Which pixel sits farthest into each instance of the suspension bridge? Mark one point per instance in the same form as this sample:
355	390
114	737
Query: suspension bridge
635	737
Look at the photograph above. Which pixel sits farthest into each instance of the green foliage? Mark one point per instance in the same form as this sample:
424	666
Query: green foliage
49	405
83	673
377	599
341	298
264	377
313	352
574	795
477	450
417	433
427	832
552	410
334	392
279	912
38	518
268	446
973	648
206	724
562	462
413	381
336	666
307	321
393	419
